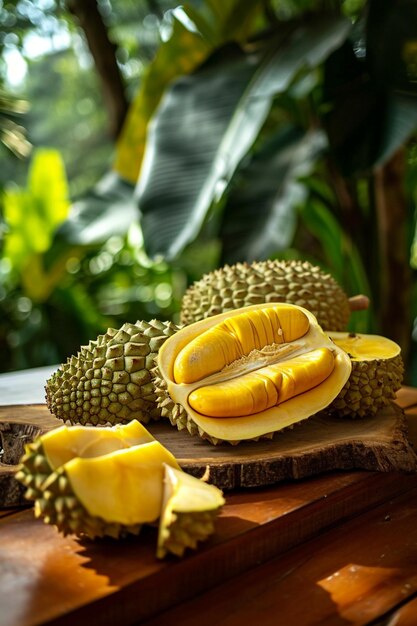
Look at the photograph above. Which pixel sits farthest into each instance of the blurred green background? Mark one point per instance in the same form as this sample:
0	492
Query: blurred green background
143	144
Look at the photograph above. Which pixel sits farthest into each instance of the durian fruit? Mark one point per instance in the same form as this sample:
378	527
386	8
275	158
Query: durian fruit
56	447
97	482
296	282
109	495
248	373
109	380
189	510
377	374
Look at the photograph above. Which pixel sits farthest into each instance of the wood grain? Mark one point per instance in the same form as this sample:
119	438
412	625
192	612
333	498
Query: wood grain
351	575
49	579
61	581
318	445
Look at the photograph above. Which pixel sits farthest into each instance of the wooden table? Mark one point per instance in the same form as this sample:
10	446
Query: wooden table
336	549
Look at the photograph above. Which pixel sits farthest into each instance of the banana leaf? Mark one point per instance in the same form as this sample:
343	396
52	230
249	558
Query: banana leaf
208	121
260	217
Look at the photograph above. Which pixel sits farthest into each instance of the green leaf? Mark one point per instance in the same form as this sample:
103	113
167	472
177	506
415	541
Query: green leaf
106	210
261	211
370	88
340	255
32	214
208	121
183	51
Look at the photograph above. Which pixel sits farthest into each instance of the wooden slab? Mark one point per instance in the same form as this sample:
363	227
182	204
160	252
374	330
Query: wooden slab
318	445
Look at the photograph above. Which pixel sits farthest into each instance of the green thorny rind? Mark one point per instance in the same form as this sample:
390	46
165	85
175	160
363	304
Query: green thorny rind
59	506
33	470
109	380
243	284
185	531
371	386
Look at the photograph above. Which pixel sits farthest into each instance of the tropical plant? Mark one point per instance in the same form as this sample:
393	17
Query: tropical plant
51	300
283	133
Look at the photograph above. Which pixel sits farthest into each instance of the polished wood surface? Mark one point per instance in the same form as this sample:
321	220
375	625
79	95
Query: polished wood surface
339	548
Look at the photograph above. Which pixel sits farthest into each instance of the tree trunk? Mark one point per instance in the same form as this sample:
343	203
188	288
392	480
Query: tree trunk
103	52
395	278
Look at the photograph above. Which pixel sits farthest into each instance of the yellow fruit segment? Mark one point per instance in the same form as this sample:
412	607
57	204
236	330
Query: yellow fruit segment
64	443
267	387
365	347
233	338
124	487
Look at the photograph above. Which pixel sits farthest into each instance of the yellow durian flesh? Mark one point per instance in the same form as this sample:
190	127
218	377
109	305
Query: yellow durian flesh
362	347
124	487
260	390
310	393
235	337
66	442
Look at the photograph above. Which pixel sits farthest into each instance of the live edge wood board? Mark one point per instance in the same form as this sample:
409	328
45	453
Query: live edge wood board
317	445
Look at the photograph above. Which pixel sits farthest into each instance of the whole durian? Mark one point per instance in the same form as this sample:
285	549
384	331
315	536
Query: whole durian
109	380
243	284
98	482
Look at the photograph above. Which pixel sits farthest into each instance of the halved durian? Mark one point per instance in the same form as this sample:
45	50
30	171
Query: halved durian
249	373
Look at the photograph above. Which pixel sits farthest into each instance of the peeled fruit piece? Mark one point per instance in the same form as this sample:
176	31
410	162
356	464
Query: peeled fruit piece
377	373
58	446
109	381
189	509
249	373
98	482
296	282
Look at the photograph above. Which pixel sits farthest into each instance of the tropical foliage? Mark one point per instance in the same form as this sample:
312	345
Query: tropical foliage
259	129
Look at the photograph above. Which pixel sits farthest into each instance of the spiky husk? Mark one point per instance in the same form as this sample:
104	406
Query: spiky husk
33	470
371	386
58	506
186	530
295	282
109	380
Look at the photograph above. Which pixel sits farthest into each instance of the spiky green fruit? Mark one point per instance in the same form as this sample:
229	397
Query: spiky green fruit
109	380
243	284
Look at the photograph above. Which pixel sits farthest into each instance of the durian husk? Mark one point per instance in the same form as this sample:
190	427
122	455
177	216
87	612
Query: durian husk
172	398
111	482
188	514
377	374
109	380
59	506
296	282
34	469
